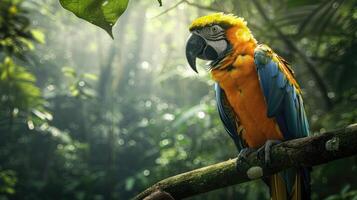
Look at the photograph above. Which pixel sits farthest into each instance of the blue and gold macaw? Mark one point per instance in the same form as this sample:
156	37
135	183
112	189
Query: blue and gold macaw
258	98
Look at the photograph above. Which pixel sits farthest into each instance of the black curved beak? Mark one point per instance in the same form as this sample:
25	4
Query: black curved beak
194	48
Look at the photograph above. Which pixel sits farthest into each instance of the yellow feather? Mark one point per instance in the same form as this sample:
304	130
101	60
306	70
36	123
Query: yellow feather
296	192
278	188
218	18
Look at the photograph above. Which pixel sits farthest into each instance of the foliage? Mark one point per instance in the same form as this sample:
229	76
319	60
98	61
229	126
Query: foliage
16	36
103	13
20	97
7	182
345	193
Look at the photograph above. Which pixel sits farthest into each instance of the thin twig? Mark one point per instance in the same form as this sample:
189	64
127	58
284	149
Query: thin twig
204	7
190	4
169	9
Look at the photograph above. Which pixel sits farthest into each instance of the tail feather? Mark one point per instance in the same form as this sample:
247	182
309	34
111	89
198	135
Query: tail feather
290	186
296	190
305	182
277	188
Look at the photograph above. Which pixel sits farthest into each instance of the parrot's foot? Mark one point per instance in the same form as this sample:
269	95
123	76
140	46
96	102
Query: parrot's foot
265	150
242	156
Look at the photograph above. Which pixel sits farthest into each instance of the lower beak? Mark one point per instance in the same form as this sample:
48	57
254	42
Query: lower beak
194	47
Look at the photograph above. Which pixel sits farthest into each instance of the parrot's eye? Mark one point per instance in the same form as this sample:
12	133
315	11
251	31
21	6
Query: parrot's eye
214	29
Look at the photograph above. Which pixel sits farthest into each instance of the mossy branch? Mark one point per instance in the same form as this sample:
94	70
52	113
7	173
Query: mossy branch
309	151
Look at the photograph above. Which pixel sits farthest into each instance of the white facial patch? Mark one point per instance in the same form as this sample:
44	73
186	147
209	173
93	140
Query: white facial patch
219	46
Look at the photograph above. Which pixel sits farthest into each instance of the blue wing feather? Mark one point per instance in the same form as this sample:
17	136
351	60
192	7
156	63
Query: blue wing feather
284	103
281	81
227	116
265	81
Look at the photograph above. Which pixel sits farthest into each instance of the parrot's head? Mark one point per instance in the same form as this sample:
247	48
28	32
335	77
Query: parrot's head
215	36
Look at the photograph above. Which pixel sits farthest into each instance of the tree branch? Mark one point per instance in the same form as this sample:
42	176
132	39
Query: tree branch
190	4
169	9
307	152
203	7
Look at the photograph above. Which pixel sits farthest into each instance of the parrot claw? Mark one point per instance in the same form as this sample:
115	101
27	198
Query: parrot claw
243	155
265	151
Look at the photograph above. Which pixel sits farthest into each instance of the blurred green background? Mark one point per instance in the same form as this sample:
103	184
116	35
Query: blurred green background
86	117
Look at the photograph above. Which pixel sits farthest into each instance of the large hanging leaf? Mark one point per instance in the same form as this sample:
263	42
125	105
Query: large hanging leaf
103	13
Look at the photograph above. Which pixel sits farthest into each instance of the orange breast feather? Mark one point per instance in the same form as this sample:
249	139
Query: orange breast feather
241	85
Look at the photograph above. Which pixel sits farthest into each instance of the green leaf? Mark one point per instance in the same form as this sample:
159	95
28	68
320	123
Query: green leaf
69	72
129	183
43	115
38	36
90	76
103	13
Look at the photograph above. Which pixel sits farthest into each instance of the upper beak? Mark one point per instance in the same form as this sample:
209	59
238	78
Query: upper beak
194	47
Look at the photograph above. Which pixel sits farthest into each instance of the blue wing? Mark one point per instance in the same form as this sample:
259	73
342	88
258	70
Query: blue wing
284	103
228	117
282	93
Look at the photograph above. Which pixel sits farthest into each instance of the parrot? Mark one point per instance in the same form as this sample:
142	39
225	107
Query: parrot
258	98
